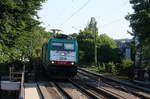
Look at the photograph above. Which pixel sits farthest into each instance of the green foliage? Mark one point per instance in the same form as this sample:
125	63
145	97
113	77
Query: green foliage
73	36
107	49
146	57
126	67
92	26
93	68
4	69
133	50
86	46
126	63
40	36
110	67
113	68
103	39
140	19
18	28
140	23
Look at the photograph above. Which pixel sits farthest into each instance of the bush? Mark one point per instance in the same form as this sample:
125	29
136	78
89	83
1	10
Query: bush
126	63
126	67
4	68
110	67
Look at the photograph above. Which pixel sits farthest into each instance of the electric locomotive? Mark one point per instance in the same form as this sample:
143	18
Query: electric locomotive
60	57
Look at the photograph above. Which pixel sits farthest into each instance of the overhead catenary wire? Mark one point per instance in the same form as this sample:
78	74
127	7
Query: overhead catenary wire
116	20
84	5
112	22
73	14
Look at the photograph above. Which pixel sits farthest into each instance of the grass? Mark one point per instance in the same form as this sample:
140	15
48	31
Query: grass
116	76
101	70
96	69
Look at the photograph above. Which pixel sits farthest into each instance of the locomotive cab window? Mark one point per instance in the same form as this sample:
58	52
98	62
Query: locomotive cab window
57	46
68	46
62	46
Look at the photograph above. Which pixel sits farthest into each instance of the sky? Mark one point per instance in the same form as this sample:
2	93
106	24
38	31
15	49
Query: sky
72	15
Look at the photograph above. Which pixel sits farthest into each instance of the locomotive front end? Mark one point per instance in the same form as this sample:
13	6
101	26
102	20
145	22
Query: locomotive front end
63	58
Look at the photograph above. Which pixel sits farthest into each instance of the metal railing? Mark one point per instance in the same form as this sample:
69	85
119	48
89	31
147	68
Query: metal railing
22	88
0	87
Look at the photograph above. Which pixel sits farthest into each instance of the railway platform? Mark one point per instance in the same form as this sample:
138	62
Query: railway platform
31	91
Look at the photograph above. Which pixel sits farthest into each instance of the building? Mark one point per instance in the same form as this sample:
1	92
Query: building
125	49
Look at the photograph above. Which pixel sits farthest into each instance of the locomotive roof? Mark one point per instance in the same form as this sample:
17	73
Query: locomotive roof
62	40
61	36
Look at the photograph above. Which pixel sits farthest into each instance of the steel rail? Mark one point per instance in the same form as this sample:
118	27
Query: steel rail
103	92
97	76
108	93
62	91
39	90
91	94
113	80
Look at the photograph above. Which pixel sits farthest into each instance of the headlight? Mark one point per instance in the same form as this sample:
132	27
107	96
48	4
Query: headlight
52	62
72	63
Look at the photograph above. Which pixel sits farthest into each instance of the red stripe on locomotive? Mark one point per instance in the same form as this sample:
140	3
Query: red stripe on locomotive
62	63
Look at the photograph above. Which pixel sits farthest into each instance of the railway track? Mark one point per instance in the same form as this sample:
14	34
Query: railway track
92	94
67	90
107	91
72	90
115	84
79	88
64	89
75	90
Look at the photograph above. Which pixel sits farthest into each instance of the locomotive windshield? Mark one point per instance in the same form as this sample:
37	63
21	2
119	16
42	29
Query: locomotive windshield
57	46
62	46
68	46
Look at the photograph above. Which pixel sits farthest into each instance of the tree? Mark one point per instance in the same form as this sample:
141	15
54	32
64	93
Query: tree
18	19
107	49
87	41
126	67
92	25
140	23
73	36
86	46
140	19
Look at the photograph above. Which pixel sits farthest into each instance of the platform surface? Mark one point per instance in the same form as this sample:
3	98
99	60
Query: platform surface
31	91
